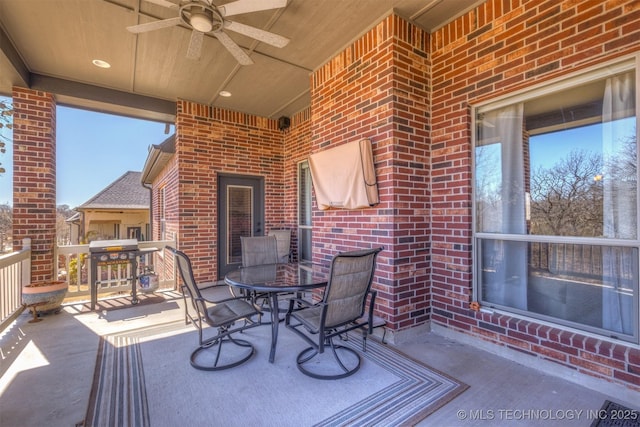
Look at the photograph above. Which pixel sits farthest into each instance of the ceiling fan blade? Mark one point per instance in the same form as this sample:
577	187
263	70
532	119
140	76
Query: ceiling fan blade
258	34
245	6
164	3
195	45
155	25
233	48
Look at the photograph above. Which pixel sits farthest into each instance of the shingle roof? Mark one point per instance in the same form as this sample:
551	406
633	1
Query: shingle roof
125	192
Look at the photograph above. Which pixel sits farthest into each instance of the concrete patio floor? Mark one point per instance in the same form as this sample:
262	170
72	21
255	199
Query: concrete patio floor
47	369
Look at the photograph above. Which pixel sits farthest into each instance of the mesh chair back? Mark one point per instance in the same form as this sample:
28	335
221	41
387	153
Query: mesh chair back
283	243
259	250
349	282
186	274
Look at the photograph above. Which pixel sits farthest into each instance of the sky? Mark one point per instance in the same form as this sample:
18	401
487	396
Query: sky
92	150
548	149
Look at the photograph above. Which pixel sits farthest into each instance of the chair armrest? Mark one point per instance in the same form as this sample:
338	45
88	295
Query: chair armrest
223	300
300	302
209	285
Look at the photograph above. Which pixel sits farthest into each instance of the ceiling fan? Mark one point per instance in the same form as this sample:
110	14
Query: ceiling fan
203	17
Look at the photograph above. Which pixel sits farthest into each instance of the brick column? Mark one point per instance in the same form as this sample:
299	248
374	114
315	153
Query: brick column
34	178
378	88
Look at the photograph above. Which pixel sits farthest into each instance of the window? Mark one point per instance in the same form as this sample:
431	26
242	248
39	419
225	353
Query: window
556	203
162	212
304	212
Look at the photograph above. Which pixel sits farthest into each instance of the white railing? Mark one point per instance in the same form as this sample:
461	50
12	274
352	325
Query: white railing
15	272
74	266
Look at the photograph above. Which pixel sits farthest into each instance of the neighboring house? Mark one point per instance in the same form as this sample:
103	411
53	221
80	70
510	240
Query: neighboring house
119	211
75	225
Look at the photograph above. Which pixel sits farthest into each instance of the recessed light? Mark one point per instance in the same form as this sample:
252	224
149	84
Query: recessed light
100	63
225	93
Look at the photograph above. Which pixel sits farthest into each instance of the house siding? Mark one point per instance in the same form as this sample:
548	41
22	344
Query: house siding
101	224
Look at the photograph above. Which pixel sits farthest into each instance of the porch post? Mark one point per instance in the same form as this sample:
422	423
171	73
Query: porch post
34	178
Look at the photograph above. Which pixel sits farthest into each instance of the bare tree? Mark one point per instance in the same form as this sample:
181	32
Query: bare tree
567	199
623	165
6	122
6	212
6	226
488	186
63	212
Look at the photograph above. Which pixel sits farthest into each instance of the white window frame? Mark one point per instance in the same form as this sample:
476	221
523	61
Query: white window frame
596	73
302	225
162	205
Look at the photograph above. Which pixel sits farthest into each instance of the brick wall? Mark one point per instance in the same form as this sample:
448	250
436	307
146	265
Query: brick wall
34	178
495	49
210	141
167	181
410	93
378	88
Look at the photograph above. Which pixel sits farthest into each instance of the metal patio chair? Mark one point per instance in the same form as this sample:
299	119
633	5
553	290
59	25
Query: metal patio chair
283	244
341	310
227	316
259	250
369	321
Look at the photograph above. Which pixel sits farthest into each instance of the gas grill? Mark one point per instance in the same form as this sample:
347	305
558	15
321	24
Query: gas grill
114	252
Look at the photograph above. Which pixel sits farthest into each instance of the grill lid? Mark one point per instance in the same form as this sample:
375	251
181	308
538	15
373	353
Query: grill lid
113	245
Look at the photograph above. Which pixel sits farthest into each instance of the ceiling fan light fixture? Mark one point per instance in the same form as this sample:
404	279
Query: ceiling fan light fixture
204	17
100	63
201	22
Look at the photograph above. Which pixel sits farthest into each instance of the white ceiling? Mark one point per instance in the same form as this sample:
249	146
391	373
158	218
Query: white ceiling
49	45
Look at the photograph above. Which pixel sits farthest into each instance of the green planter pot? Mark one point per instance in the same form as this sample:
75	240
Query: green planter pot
44	297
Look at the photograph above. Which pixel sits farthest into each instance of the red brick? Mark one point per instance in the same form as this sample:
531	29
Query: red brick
410	92
34	192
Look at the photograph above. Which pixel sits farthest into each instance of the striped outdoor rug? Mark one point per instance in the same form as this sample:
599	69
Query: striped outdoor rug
118	395
419	391
403	392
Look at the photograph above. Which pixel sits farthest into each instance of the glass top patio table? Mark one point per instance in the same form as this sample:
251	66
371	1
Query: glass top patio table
275	279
